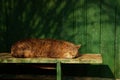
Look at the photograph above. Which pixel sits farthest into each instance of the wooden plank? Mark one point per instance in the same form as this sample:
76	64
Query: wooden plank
84	58
59	71
3	26
117	54
80	25
93	26
108	35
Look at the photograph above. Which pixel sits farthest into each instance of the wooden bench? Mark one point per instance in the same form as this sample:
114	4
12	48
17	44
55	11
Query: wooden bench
83	59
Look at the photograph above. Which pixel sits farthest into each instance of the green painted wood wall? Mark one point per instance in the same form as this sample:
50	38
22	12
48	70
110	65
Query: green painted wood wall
92	23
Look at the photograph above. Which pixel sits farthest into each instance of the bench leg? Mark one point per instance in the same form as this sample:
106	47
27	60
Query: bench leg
58	71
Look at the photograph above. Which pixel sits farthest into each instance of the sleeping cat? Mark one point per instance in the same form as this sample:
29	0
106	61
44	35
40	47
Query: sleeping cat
44	48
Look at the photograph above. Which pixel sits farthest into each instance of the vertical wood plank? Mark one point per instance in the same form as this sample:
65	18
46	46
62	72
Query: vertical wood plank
2	26
59	71
68	21
108	35
80	28
93	26
117	44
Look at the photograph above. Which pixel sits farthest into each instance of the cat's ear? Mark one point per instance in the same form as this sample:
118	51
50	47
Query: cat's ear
78	46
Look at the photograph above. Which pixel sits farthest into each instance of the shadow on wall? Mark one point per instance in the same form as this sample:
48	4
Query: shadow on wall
56	19
35	19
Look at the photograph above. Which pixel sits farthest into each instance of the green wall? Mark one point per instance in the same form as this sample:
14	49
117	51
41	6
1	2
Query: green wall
92	23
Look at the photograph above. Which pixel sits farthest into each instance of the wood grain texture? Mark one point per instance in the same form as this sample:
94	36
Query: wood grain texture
108	36
117	45
93	23
84	58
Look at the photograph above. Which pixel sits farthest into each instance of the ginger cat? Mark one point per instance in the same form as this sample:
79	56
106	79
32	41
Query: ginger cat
44	48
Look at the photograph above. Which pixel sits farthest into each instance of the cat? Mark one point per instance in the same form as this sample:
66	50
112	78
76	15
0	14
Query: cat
44	48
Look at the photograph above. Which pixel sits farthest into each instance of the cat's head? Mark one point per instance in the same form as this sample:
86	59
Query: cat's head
73	52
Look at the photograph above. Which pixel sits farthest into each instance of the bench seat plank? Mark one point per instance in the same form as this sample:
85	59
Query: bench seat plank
83	58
